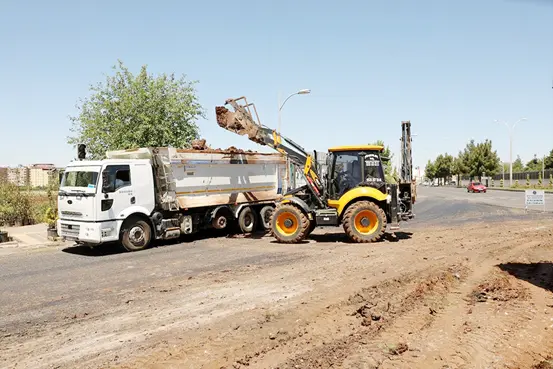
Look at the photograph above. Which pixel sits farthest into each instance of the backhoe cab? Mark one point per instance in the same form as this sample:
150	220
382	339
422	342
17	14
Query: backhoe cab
353	192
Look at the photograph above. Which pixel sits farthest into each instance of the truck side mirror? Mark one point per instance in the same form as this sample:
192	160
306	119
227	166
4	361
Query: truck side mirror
106	185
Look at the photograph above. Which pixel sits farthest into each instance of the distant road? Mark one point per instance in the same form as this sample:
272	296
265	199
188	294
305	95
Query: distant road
493	197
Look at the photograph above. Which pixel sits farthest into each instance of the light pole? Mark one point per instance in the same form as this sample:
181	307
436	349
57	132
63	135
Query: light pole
511	129
300	92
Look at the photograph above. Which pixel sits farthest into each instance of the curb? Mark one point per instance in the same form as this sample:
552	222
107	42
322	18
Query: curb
518	189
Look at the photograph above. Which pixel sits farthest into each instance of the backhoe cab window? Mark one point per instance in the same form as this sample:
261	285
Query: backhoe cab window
373	168
347	172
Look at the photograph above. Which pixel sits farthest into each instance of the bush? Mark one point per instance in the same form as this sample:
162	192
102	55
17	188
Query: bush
18	206
528	180
501	183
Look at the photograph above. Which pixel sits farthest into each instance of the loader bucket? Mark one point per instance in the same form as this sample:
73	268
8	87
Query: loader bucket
240	121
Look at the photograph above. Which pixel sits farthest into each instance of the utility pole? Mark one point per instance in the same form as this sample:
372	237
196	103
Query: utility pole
511	129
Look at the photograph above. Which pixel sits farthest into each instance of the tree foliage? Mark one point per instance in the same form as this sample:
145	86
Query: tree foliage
534	165
549	160
444	166
430	171
480	158
128	111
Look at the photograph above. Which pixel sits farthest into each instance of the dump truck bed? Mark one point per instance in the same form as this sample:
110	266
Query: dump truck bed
200	178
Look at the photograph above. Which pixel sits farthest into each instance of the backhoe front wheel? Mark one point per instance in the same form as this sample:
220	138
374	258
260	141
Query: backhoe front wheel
364	222
289	224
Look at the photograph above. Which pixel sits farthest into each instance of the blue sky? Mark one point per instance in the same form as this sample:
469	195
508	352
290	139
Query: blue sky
451	67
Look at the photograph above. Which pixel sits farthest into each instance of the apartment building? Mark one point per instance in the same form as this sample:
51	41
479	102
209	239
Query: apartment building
40	175
18	176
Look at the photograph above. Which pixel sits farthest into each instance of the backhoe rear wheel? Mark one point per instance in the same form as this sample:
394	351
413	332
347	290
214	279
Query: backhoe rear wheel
289	224
364	222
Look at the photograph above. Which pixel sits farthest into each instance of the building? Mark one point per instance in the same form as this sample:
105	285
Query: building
40	174
19	176
3	174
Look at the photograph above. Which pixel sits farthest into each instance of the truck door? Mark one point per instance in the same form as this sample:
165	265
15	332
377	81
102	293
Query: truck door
117	192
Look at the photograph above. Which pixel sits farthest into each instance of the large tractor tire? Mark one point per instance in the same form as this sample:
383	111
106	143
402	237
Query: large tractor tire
289	224
312	227
364	222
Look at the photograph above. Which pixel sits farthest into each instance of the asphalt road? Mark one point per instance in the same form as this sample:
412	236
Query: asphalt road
45	284
496	198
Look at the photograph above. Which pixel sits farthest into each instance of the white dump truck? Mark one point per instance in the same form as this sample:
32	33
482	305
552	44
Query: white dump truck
136	196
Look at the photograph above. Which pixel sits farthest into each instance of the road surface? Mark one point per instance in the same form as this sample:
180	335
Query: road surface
496	198
461	275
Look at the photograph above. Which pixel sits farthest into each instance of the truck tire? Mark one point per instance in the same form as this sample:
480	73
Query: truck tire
136	234
265	215
289	224
247	220
364	222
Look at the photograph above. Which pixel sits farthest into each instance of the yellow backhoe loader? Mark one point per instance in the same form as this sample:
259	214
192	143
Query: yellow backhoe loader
353	192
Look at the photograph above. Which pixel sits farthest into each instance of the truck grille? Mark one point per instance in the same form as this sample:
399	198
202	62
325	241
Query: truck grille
70	230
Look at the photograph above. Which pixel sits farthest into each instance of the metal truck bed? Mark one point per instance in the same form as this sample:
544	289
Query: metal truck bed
199	178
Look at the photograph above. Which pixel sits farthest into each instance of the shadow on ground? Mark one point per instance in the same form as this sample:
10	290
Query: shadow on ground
539	274
114	248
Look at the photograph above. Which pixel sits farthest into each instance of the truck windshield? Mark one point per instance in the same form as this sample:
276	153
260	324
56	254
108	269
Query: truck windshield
84	179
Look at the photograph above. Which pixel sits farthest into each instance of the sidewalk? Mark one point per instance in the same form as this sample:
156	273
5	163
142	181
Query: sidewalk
29	236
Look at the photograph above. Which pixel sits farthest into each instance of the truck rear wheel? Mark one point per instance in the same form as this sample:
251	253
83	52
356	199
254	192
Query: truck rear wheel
265	215
289	224
247	220
364	222
136	234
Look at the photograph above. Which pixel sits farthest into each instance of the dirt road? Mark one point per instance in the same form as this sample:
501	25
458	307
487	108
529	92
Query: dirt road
466	286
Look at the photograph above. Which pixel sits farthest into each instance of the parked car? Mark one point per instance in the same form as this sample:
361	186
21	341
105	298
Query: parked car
476	187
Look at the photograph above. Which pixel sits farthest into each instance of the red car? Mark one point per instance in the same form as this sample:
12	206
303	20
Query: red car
476	187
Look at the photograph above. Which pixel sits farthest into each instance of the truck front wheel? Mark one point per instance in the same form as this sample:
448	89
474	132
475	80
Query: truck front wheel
136	234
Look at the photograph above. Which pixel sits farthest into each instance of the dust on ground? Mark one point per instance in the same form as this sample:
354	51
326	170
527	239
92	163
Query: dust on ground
462	296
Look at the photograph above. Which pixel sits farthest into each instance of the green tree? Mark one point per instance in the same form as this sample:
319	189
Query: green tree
549	160
430	171
460	166
444	166
129	111
534	165
481	158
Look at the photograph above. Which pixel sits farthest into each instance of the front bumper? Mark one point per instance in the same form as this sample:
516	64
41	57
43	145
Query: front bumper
92	233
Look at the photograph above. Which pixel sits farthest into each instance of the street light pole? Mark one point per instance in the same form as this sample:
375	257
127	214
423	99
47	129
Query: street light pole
300	92
511	129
